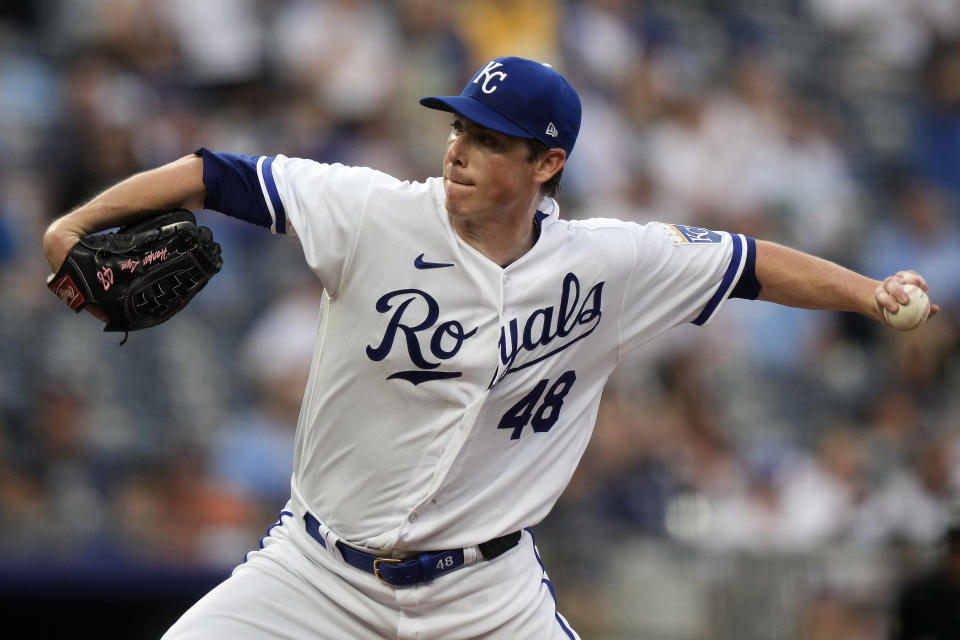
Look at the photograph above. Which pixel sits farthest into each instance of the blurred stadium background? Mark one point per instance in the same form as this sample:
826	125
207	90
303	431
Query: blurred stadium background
779	474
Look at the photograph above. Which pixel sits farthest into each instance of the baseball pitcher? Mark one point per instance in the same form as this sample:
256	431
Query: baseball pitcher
466	333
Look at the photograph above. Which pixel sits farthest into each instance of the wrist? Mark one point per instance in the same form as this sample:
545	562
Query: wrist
58	239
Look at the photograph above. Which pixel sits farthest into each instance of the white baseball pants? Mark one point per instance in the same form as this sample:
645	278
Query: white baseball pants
294	588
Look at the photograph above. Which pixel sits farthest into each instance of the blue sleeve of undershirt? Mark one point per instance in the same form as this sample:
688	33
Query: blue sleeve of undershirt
748	286
233	186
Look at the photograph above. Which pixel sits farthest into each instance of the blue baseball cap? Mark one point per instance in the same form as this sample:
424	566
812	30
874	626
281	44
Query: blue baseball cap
518	97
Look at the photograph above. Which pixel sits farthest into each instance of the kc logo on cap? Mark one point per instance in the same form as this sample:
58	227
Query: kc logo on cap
518	97
489	73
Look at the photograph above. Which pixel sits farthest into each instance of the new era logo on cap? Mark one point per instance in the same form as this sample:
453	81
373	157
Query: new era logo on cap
518	97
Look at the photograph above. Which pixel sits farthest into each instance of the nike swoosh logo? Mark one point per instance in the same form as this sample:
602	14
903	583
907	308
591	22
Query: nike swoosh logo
420	263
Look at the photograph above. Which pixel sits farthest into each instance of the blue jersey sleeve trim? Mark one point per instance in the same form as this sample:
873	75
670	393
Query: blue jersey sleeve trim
732	269
233	186
279	213
748	286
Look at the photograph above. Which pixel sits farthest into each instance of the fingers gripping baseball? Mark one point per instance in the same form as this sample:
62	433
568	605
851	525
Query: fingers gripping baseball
902	301
890	293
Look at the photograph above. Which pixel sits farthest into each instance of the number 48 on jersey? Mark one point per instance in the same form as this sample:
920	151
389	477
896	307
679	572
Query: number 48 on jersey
540	415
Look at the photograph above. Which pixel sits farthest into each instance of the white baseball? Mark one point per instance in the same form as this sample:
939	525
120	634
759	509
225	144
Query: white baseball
911	315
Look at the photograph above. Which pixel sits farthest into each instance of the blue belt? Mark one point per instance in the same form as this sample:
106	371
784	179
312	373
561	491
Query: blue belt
422	567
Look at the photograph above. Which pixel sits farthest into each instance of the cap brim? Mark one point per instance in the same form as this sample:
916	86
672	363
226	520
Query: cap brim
479	113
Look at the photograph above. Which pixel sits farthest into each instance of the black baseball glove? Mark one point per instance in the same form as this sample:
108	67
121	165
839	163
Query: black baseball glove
139	275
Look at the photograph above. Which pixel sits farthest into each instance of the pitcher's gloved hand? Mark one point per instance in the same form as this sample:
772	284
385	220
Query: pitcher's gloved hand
139	275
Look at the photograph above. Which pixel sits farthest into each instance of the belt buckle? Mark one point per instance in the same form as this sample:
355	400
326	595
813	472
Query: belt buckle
376	567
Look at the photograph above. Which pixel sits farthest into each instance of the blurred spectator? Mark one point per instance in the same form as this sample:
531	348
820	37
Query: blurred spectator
794	501
749	518
681	162
255	450
817	203
56	454
935	148
166	510
776	340
818	495
926	606
627	480
894	423
30	101
220	42
431	40
699	448
828	615
139	513
605	166
343	53
92	147
896	33
495	28
615	23
912	507
751	157
724	169
24	510
203	521
922	231
131	32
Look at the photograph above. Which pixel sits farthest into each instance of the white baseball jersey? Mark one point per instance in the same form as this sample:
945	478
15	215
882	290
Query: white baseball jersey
450	399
